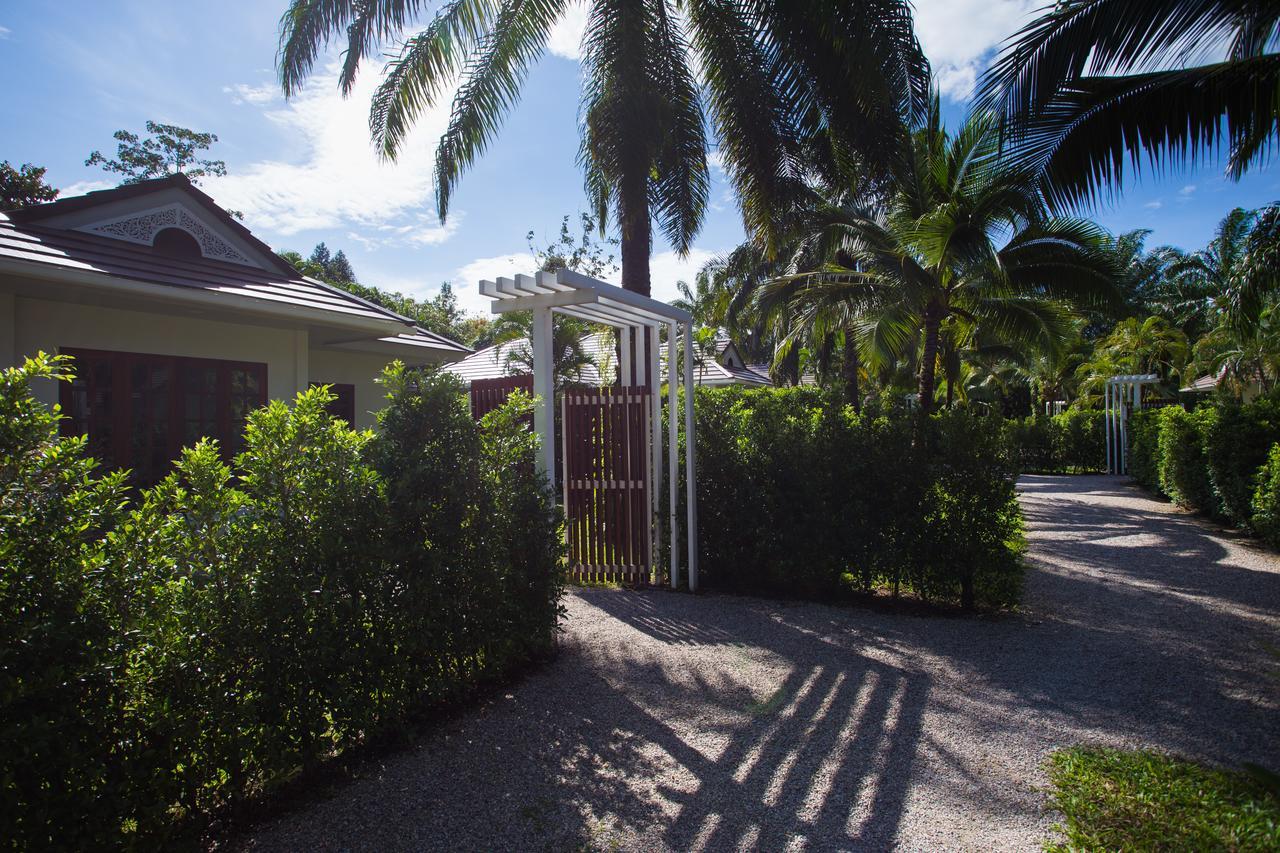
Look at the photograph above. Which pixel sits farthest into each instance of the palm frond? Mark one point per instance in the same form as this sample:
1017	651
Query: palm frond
426	67
490	88
1084	138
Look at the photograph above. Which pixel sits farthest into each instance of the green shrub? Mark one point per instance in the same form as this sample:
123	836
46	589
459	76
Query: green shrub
1033	445
798	495
1144	448
1266	499
239	623
1073	442
1183	474
1236	442
60	638
969	542
1080	443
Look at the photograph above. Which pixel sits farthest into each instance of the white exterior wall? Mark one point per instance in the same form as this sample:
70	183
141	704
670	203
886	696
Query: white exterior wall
29	325
354	368
51	326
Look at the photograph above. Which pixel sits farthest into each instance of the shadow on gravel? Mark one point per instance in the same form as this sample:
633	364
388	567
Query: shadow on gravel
684	722
826	758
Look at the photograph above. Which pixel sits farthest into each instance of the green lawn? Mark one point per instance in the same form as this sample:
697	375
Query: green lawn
1121	800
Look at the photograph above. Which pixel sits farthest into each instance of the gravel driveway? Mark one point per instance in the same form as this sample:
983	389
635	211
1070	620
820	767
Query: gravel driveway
718	723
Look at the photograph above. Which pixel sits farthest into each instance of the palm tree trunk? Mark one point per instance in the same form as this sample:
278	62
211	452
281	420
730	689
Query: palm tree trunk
852	365
929	359
636	237
950	385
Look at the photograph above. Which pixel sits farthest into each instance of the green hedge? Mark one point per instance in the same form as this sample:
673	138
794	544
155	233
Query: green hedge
1266	499
1073	442
1213	460
170	653
1181	467
1144	448
797	495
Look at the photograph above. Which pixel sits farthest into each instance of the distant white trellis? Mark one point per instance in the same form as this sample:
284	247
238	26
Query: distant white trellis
1123	394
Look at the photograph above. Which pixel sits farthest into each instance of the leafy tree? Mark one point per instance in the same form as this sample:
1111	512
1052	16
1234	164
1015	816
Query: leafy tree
1091	84
584	253
768	69
440	314
23	186
168	150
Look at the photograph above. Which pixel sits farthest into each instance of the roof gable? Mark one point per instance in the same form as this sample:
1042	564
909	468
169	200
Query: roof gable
136	213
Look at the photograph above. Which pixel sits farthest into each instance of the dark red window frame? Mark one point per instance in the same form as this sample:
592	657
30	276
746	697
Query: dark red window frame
344	407
140	409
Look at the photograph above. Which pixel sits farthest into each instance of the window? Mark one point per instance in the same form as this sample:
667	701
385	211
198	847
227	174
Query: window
140	410
345	406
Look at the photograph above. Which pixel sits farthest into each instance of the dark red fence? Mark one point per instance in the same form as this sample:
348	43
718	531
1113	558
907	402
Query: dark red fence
606	483
489	394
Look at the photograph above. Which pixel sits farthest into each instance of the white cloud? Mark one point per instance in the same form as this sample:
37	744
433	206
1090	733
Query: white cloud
339	182
961	36
243	93
1154	205
667	268
1187	190
82	187
466	281
5	32
566	36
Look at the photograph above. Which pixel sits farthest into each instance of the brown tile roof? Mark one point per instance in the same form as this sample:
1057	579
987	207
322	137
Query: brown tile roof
75	250
39	212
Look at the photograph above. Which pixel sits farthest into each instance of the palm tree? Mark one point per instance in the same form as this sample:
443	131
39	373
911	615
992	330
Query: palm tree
962	239
769	70
1135	345
1091	84
572	361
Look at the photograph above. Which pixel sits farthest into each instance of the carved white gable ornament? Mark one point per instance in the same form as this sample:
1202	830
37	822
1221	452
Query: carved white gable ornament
143	227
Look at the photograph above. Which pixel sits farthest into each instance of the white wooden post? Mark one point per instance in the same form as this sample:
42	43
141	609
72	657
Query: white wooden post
655	447
673	451
625	378
1126	396
690	459
1106	420
544	392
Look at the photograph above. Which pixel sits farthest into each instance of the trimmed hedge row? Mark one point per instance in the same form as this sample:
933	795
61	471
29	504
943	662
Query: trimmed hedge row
800	496
1073	442
164	656
1218	460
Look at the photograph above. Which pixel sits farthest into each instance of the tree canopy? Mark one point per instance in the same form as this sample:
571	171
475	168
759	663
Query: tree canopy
167	150
23	186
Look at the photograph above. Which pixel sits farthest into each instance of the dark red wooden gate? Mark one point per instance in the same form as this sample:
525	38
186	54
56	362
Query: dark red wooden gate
489	394
606	483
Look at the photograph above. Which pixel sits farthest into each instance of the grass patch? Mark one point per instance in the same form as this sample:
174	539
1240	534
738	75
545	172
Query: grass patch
1123	800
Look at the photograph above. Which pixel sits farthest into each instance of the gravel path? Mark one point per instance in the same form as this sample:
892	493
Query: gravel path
717	723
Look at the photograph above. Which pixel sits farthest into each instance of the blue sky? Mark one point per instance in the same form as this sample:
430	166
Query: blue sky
303	171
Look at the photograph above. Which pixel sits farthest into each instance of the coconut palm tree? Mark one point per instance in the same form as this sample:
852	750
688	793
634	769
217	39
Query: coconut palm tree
1092	84
961	240
1135	345
573	362
769	70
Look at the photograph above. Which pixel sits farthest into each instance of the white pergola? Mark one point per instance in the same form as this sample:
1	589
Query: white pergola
1122	393
637	319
